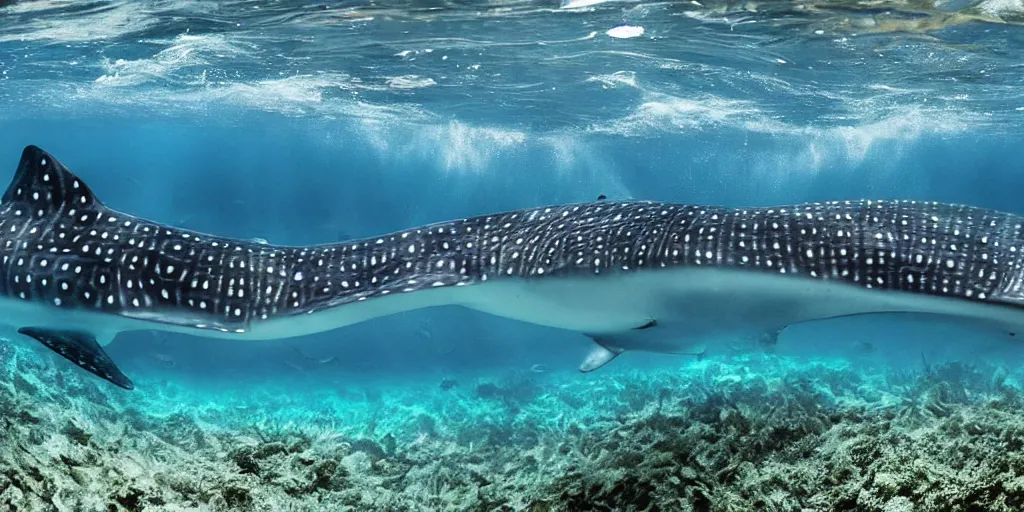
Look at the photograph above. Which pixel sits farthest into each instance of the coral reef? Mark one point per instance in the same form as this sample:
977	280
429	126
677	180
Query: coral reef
746	433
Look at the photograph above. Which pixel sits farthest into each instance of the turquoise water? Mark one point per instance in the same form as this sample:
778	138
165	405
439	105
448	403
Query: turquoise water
302	122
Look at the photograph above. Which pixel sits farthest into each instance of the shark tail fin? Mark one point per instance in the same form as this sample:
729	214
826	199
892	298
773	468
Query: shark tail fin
46	185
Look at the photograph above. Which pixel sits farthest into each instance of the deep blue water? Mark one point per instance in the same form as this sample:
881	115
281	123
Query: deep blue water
304	122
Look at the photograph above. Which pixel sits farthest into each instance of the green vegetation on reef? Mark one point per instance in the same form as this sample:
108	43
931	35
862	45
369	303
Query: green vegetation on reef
753	433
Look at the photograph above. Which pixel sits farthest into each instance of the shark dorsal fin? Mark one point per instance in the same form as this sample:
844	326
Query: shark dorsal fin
46	185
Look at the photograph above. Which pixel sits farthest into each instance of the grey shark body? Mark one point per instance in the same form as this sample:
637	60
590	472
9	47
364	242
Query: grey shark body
631	275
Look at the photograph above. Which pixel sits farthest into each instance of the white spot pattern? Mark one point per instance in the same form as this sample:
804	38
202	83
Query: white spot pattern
85	256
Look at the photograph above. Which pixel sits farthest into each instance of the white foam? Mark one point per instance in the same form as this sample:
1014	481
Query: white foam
322	95
578	162
188	76
814	149
1001	7
625	32
185	51
616	79
457	147
407	131
871	121
659	113
410	82
901	126
872	118
579	4
71	25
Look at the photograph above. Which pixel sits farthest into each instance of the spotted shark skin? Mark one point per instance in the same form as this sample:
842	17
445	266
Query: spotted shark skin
75	272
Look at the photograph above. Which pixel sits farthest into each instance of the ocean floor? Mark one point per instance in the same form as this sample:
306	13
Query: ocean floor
755	433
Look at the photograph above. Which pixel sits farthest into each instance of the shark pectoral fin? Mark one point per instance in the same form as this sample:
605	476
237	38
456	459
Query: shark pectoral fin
599	356
82	349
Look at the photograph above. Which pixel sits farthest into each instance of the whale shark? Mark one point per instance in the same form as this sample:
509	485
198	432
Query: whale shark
630	275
